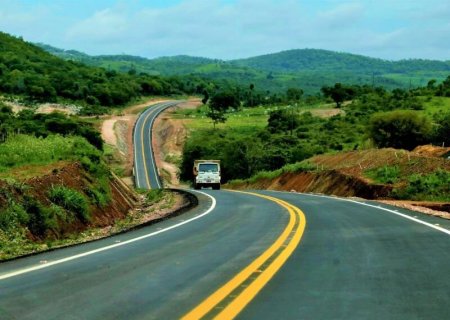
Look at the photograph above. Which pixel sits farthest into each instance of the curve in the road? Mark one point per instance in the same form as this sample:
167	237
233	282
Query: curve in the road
145	171
229	300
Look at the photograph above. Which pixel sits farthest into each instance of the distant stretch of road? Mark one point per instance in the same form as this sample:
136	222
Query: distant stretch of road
257	255
145	170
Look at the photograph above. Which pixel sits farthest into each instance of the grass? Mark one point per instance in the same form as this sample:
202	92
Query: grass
246	119
303	166
70	200
384	175
22	150
426	187
436	105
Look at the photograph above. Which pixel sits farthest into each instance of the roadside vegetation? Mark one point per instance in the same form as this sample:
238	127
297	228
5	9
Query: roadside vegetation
266	141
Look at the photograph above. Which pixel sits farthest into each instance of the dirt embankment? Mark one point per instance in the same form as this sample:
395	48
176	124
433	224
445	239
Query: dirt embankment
72	176
343	175
48	226
332	182
169	136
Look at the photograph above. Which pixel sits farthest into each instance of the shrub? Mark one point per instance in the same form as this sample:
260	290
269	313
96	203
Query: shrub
399	129
434	186
70	200
386	174
13	216
100	193
41	218
154	195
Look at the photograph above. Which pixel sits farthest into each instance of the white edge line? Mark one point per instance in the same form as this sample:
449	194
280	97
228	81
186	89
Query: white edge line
140	119
376	207
135	153
157	113
88	253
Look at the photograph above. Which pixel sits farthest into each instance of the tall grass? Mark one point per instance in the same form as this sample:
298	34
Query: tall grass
303	166
386	174
70	200
23	149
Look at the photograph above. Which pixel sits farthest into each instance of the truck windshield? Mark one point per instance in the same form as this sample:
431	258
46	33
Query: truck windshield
208	167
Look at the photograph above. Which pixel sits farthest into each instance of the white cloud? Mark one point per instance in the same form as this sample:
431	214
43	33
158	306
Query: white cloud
343	15
104	26
241	28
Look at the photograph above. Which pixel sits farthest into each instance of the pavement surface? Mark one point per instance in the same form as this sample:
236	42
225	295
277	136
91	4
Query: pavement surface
145	170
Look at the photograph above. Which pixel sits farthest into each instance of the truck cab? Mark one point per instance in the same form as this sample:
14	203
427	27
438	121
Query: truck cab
206	174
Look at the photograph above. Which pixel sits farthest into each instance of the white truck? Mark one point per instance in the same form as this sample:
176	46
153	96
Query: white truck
207	174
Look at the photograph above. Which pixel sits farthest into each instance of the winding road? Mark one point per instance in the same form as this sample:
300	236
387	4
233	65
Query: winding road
249	255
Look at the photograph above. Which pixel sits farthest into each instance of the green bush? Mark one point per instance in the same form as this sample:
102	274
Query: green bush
13	216
433	187
41	218
100	193
386	174
400	129
70	200
154	195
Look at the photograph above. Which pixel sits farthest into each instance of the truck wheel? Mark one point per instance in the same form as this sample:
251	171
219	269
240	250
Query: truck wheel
196	186
216	186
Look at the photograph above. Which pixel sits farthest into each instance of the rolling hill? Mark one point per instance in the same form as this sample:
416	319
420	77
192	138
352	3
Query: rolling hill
28	71
309	69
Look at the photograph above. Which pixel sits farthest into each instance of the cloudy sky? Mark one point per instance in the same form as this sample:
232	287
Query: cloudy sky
228	29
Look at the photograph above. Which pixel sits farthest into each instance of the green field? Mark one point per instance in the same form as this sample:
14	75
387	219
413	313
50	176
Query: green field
436	105
247	119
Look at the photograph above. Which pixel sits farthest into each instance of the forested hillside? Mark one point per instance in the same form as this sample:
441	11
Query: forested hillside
309	69
29	71
324	60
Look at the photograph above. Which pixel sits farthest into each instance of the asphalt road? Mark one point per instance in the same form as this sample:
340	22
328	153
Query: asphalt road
146	173
353	262
238	254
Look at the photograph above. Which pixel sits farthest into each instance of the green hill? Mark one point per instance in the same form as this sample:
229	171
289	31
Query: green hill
329	61
309	69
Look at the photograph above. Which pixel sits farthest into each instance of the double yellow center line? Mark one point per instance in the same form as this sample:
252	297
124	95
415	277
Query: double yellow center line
233	296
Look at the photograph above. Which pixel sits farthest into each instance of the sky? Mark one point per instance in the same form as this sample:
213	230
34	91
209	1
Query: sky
231	29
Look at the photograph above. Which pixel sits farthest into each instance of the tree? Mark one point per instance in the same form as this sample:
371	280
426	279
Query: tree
399	129
294	94
282	121
442	134
338	93
219	104
205	96
252	88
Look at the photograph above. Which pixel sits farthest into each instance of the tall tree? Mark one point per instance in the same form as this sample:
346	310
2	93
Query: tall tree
338	93
252	88
219	104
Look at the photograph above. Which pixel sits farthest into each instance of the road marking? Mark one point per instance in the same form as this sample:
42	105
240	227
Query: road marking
109	247
265	267
135	171
446	231
155	111
142	145
166	106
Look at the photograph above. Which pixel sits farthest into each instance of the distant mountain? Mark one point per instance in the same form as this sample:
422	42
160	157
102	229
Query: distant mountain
302	60
309	69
